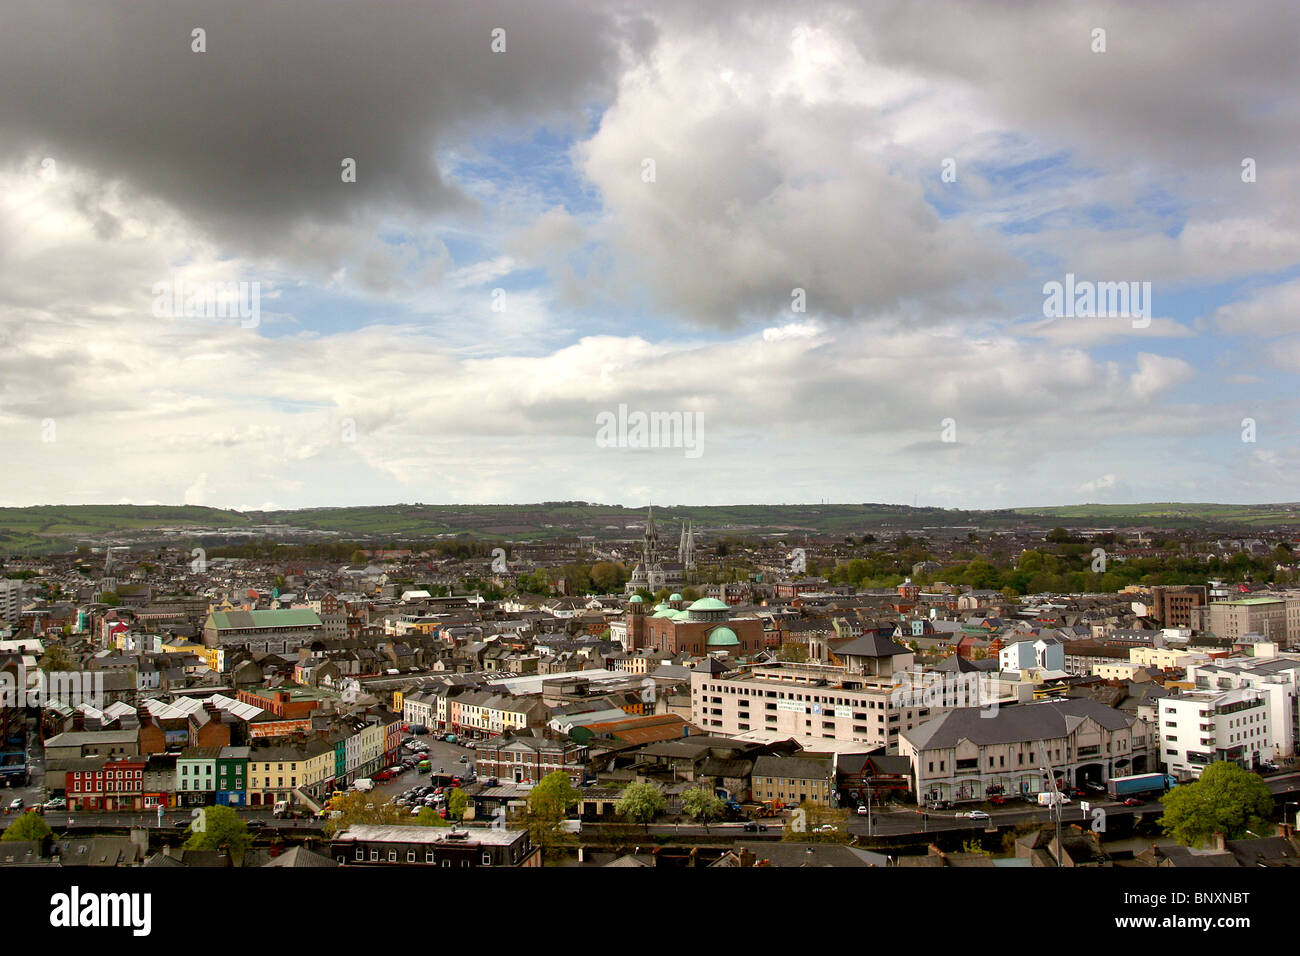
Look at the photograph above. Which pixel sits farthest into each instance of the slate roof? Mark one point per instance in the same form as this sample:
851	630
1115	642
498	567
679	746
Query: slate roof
1038	721
870	645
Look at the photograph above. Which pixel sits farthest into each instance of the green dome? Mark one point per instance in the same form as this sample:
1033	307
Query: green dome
723	637
678	615
661	606
664	612
709	604
674	597
635	599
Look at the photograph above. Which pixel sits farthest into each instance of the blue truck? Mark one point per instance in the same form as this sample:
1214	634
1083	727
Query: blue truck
13	762
1138	785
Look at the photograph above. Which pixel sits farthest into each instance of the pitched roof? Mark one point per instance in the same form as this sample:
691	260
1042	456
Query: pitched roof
1044	720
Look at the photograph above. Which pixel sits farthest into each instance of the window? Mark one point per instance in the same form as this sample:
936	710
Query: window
410	856
374	856
361	854
487	859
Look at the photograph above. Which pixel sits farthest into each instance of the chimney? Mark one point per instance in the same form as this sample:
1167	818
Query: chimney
140	837
1219	842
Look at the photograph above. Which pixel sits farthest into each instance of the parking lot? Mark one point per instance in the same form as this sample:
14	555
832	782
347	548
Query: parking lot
443	758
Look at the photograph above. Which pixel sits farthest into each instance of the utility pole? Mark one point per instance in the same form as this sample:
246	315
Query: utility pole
1056	799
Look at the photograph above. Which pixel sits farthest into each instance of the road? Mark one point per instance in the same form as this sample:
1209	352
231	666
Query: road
443	758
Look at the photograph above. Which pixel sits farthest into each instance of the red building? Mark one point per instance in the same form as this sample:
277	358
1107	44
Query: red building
84	783
124	783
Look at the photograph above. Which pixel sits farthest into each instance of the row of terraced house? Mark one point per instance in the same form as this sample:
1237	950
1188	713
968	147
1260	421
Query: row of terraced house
301	771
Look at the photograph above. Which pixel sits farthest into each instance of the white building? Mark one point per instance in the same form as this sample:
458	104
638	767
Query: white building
1276	677
1203	727
11	601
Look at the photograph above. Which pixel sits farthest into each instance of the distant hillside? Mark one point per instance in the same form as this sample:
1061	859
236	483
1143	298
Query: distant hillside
57	527
61	527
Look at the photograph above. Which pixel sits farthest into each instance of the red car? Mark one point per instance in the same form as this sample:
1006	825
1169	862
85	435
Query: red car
384	776
1133	802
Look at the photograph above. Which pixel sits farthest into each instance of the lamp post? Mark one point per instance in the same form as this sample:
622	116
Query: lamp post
1056	800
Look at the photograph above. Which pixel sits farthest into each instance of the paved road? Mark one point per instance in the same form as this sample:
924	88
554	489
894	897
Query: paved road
443	758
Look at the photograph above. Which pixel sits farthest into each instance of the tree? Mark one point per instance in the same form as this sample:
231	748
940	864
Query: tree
553	798
702	806
641	803
359	807
29	826
221	829
793	651
606	576
1225	800
548	804
429	817
807	819
57	658
457	804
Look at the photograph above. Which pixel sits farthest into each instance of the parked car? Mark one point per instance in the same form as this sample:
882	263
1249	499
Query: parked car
863	811
755	827
1268	767
941	805
1133	802
463	759
16	805
975	815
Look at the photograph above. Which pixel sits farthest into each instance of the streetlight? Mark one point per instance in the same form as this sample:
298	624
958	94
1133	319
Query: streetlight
1050	776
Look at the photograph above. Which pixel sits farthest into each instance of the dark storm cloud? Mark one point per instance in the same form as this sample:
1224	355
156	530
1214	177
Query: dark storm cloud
247	138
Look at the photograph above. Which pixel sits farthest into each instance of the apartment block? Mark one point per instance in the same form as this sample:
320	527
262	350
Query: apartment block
1203	727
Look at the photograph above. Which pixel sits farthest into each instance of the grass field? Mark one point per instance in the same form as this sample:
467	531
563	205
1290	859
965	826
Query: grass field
60	527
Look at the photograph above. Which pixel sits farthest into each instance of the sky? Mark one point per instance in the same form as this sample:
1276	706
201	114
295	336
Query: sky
823	232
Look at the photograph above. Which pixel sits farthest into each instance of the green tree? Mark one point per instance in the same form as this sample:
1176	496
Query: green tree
641	803
551	800
549	803
29	826
793	651
457	804
1225	800
359	807
429	817
221	828
606	576
702	806
57	658
809	823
